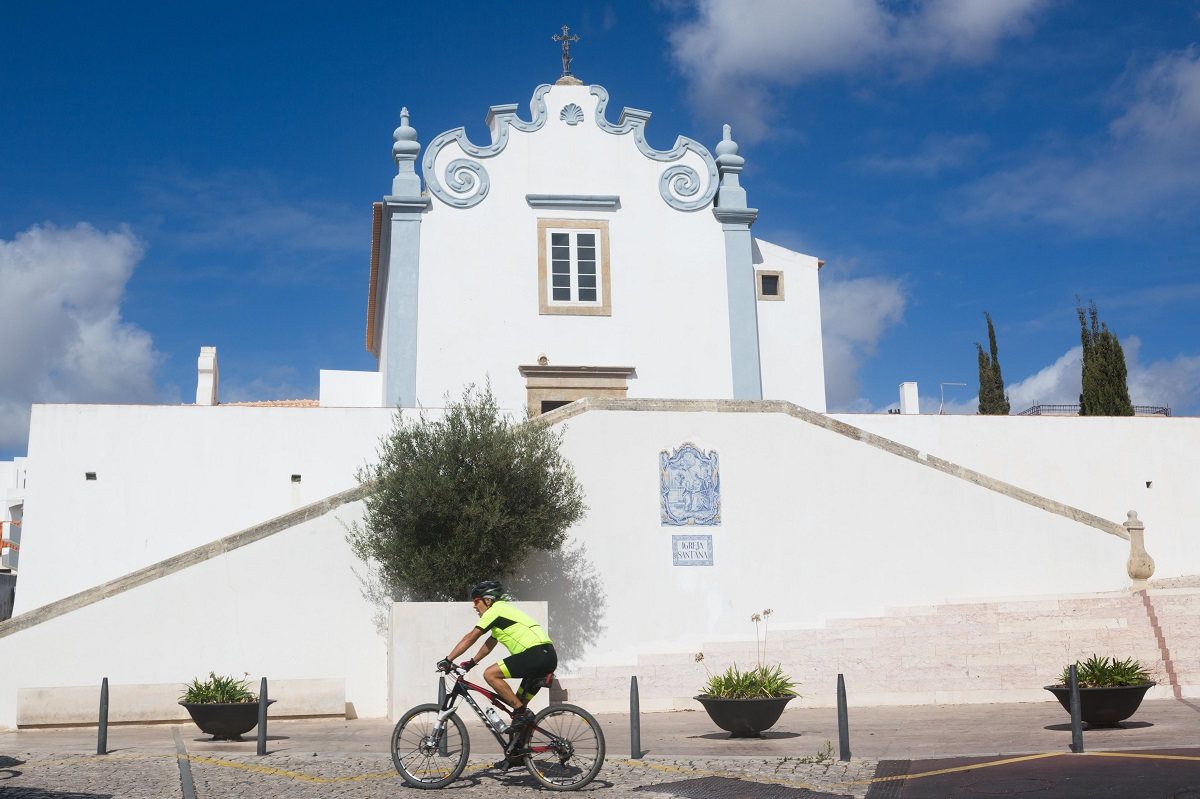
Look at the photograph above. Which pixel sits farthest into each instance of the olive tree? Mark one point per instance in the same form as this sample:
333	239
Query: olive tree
462	497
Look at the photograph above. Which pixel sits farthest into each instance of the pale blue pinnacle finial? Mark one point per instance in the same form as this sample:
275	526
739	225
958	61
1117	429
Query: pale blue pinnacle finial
727	149
406	183
729	165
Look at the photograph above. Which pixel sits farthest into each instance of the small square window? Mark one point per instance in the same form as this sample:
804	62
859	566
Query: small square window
768	284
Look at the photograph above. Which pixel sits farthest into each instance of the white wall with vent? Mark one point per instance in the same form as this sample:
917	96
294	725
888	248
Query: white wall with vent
170	478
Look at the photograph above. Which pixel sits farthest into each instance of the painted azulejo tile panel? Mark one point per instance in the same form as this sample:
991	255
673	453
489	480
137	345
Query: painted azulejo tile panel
691	550
690	487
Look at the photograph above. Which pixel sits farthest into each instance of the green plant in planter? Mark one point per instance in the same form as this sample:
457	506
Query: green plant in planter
760	682
217	689
1105	672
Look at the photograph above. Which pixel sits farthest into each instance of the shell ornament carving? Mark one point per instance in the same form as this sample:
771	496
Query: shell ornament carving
572	114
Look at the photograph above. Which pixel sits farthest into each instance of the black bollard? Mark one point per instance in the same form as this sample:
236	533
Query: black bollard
635	721
843	720
1076	719
442	705
102	736
262	717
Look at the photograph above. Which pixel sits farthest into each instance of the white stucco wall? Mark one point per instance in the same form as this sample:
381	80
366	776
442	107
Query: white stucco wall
479	295
817	525
169	478
1096	463
789	330
343	389
813	524
289	607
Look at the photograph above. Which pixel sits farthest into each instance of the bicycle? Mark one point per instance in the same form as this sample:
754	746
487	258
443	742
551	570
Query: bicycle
563	747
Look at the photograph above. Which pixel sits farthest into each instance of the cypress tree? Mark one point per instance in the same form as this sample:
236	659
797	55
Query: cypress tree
992	398
1105	378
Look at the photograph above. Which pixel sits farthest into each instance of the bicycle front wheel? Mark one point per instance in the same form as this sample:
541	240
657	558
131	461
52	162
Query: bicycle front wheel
566	748
426	760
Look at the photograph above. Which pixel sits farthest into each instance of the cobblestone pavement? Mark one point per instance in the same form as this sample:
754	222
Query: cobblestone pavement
137	775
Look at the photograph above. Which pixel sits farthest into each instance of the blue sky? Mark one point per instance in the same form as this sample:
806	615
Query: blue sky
173	176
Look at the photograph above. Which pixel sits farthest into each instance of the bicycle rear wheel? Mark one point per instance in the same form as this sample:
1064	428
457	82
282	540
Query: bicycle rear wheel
422	760
566	748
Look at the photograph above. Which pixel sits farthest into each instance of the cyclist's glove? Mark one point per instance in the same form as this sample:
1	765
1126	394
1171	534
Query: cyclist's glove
445	665
467	665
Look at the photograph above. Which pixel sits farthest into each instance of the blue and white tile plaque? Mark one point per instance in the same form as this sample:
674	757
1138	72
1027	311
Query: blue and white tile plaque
690	487
691	550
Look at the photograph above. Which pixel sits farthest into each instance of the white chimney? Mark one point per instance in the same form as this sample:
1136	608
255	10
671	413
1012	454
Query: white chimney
909	402
206	378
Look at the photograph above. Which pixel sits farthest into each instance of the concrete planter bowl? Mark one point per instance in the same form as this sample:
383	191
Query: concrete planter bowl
1103	707
744	718
225	721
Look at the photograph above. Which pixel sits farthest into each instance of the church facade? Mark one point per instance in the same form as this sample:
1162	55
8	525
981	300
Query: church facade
619	289
567	257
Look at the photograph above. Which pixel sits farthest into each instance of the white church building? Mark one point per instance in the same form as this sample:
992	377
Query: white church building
620	290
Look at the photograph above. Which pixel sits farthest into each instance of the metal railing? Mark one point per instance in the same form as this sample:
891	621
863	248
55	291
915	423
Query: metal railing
1073	410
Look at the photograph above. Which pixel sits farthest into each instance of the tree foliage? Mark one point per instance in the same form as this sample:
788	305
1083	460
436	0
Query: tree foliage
1105	380
992	397
463	498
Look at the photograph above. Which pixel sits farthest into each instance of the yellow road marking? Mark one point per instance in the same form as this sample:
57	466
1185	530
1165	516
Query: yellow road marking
957	769
1144	755
295	775
643	764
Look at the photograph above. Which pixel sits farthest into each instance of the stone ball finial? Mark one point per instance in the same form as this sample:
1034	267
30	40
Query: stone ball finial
727	150
406	138
1132	520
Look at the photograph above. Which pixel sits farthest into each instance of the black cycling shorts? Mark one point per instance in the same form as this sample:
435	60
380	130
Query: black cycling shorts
534	665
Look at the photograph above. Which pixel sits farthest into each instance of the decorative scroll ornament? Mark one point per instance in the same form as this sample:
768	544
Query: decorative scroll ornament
571	114
465	181
689	487
681	186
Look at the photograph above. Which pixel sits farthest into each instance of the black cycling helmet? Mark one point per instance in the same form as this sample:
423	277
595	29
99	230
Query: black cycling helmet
488	588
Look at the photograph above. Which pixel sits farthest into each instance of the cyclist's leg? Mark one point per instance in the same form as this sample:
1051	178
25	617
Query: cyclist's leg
534	666
496	676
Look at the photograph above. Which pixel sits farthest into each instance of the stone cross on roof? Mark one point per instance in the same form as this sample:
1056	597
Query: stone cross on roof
567	40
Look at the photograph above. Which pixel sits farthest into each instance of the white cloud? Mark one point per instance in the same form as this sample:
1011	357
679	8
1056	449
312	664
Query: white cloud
1173	382
855	314
63	337
1147	162
734	53
1056	384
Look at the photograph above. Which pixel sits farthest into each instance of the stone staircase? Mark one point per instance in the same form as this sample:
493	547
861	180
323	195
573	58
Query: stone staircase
961	653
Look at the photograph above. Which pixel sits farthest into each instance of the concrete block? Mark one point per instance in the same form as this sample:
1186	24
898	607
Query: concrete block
422	633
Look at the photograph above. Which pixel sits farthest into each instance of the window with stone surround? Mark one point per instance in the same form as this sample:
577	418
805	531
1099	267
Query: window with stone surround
768	284
573	267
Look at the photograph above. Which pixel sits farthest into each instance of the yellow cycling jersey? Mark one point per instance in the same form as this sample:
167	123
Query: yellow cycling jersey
516	630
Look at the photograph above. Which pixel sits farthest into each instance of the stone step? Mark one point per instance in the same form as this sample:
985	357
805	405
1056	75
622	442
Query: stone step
1002	651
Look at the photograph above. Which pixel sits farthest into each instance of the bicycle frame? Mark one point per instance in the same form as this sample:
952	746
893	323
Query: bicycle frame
463	687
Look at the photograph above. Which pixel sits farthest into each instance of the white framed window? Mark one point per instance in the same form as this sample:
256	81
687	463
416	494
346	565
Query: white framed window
573	275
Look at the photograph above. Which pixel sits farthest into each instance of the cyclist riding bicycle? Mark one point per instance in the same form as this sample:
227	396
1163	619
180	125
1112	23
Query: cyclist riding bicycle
531	654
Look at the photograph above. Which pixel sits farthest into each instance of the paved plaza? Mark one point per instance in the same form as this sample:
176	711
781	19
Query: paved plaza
898	753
